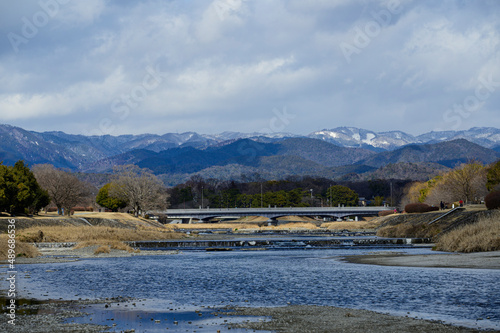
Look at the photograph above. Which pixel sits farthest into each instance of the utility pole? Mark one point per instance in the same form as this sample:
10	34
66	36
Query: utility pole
261	195
202	197
331	196
392	202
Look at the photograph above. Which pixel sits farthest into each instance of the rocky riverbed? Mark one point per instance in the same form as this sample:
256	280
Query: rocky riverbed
313	319
52	316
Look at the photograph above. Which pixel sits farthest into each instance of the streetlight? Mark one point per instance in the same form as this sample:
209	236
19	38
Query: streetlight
202	197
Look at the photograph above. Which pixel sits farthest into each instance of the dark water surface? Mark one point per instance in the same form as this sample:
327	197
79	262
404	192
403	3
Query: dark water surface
196	280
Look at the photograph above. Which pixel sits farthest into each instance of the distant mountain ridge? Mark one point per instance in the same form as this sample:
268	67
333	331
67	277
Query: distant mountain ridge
488	137
448	154
332	153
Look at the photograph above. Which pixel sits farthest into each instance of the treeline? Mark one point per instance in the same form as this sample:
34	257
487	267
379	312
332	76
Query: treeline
470	183
291	192
27	191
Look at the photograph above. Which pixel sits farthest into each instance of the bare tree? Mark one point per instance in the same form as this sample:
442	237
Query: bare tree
466	182
141	188
65	190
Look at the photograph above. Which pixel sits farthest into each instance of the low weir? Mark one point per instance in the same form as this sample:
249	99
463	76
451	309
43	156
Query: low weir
278	243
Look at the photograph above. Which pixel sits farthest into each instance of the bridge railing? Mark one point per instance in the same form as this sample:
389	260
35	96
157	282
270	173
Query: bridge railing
291	210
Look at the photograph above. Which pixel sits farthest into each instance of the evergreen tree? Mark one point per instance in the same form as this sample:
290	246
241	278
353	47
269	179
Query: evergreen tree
342	195
19	191
106	200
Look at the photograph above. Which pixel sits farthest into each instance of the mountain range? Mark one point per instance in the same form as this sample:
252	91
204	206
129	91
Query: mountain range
328	153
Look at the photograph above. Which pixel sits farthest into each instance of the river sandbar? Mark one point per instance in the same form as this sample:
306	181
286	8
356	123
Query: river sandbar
477	260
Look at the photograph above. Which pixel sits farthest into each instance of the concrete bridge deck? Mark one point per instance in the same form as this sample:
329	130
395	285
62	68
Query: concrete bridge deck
272	213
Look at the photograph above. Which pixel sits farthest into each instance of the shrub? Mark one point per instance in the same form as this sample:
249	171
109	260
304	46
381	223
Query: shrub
492	200
102	249
417	208
22	249
433	209
385	212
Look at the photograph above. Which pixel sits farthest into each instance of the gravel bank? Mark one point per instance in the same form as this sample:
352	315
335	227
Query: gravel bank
57	255
49	317
478	260
313	319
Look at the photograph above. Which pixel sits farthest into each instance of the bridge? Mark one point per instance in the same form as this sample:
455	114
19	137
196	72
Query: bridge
206	214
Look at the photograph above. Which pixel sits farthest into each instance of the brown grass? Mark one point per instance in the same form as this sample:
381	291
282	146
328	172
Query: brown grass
351	225
102	249
215	226
102	236
481	236
88	233
22	249
291	226
409	230
114	245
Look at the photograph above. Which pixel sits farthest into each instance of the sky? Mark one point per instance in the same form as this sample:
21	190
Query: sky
99	67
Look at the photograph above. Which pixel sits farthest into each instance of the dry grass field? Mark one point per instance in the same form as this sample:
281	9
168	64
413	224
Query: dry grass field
85	236
367	224
22	249
484	235
95	233
214	226
291	226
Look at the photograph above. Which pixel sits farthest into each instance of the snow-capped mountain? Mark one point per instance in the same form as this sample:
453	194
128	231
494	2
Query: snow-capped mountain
225	136
78	151
484	136
354	137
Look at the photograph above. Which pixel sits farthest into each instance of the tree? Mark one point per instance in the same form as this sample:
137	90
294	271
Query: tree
140	188
466	182
6	188
378	201
493	176
19	190
342	195
106	200
65	189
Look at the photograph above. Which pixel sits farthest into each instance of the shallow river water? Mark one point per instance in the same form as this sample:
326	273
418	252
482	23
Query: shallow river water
192	279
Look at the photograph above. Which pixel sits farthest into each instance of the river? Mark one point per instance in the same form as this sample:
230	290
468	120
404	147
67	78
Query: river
199	279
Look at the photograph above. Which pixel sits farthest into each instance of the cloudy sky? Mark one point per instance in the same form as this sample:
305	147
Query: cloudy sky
158	66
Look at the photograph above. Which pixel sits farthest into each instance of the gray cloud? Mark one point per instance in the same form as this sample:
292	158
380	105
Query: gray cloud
116	67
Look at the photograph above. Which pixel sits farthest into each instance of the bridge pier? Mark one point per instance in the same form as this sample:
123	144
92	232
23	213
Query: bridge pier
338	213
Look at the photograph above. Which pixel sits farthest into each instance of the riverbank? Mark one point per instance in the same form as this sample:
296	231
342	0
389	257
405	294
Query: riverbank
309	318
62	254
55	316
478	260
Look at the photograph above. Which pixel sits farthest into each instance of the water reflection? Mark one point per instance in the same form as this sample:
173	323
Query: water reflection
123	319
